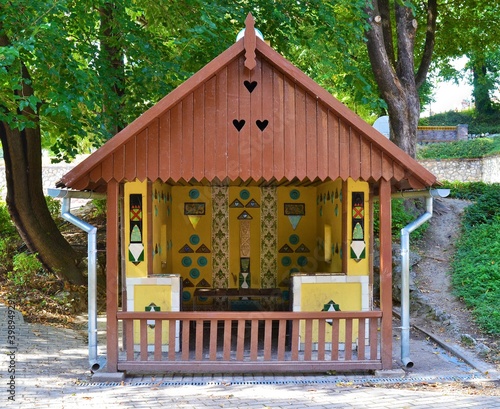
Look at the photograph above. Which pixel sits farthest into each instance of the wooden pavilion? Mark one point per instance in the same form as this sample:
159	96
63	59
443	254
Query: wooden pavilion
240	224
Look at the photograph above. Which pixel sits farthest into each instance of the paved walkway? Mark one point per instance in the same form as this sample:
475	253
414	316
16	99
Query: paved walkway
51	371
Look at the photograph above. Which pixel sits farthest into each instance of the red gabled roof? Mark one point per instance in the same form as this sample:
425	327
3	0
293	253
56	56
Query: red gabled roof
248	114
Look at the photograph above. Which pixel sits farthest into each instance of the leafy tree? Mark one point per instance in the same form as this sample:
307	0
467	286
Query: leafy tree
399	69
471	28
60	70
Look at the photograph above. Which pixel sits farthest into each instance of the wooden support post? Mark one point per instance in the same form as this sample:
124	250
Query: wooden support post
112	252
386	273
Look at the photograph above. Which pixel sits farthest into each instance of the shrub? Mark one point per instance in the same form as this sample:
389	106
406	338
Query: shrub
485	210
469	190
7	228
99	207
25	268
400	218
474	148
54	207
476	273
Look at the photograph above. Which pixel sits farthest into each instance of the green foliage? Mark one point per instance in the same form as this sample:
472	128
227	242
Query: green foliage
469	190
476	273
476	264
54	207
25	268
7	228
401	217
486	210
99	207
473	148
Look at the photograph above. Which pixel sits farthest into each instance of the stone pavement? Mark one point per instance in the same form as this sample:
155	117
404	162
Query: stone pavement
51	371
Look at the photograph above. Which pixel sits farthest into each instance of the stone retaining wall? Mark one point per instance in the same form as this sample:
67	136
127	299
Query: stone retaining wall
465	170
427	134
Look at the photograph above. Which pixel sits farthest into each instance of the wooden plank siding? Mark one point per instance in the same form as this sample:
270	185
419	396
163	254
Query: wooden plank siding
292	130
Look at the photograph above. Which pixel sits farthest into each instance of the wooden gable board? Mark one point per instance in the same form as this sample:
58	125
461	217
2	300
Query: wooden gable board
293	129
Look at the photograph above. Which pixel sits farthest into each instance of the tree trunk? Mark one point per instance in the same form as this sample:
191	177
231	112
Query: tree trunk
27	205
481	87
22	151
395	71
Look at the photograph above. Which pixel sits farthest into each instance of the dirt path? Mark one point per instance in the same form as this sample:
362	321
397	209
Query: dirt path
450	319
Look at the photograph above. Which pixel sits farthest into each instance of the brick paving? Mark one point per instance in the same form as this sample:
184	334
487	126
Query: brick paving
51	371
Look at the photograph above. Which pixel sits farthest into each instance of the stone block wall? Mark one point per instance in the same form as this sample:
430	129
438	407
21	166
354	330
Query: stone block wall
465	170
442	133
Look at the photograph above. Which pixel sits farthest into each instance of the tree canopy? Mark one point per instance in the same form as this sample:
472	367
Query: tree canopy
74	72
471	29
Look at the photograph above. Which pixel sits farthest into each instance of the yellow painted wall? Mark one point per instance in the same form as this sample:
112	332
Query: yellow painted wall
304	233
234	235
193	267
144	295
362	266
329	212
160	212
347	295
136	187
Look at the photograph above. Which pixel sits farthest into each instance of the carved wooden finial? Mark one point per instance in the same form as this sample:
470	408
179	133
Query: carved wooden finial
250	42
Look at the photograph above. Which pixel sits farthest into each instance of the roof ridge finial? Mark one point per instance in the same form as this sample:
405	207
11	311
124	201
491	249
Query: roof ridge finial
250	42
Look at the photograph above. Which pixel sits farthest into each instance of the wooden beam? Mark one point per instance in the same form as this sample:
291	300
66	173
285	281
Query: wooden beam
112	252
386	273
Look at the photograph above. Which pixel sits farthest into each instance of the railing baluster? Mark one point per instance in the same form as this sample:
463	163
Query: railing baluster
240	340
295	339
348	339
308	340
227	339
373	338
172	326
361	339
321	340
254	340
281	340
129	330
144	340
213	339
158	340
268	333
186	323
335	339
198	346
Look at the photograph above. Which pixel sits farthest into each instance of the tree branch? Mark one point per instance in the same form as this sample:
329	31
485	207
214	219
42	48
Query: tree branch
430	38
383	70
385	14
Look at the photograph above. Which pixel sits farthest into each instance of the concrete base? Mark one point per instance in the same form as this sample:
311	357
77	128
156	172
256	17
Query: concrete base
390	373
108	377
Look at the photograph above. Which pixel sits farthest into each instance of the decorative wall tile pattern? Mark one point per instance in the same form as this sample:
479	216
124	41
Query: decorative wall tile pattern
220	239
269	242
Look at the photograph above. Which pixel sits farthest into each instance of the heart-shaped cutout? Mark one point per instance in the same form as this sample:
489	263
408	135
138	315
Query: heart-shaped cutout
262	124
239	124
250	86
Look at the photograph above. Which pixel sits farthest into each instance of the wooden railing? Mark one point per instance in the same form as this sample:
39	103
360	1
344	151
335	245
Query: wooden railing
235	342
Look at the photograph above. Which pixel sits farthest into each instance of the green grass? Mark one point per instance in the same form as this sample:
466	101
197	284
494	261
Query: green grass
476	264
